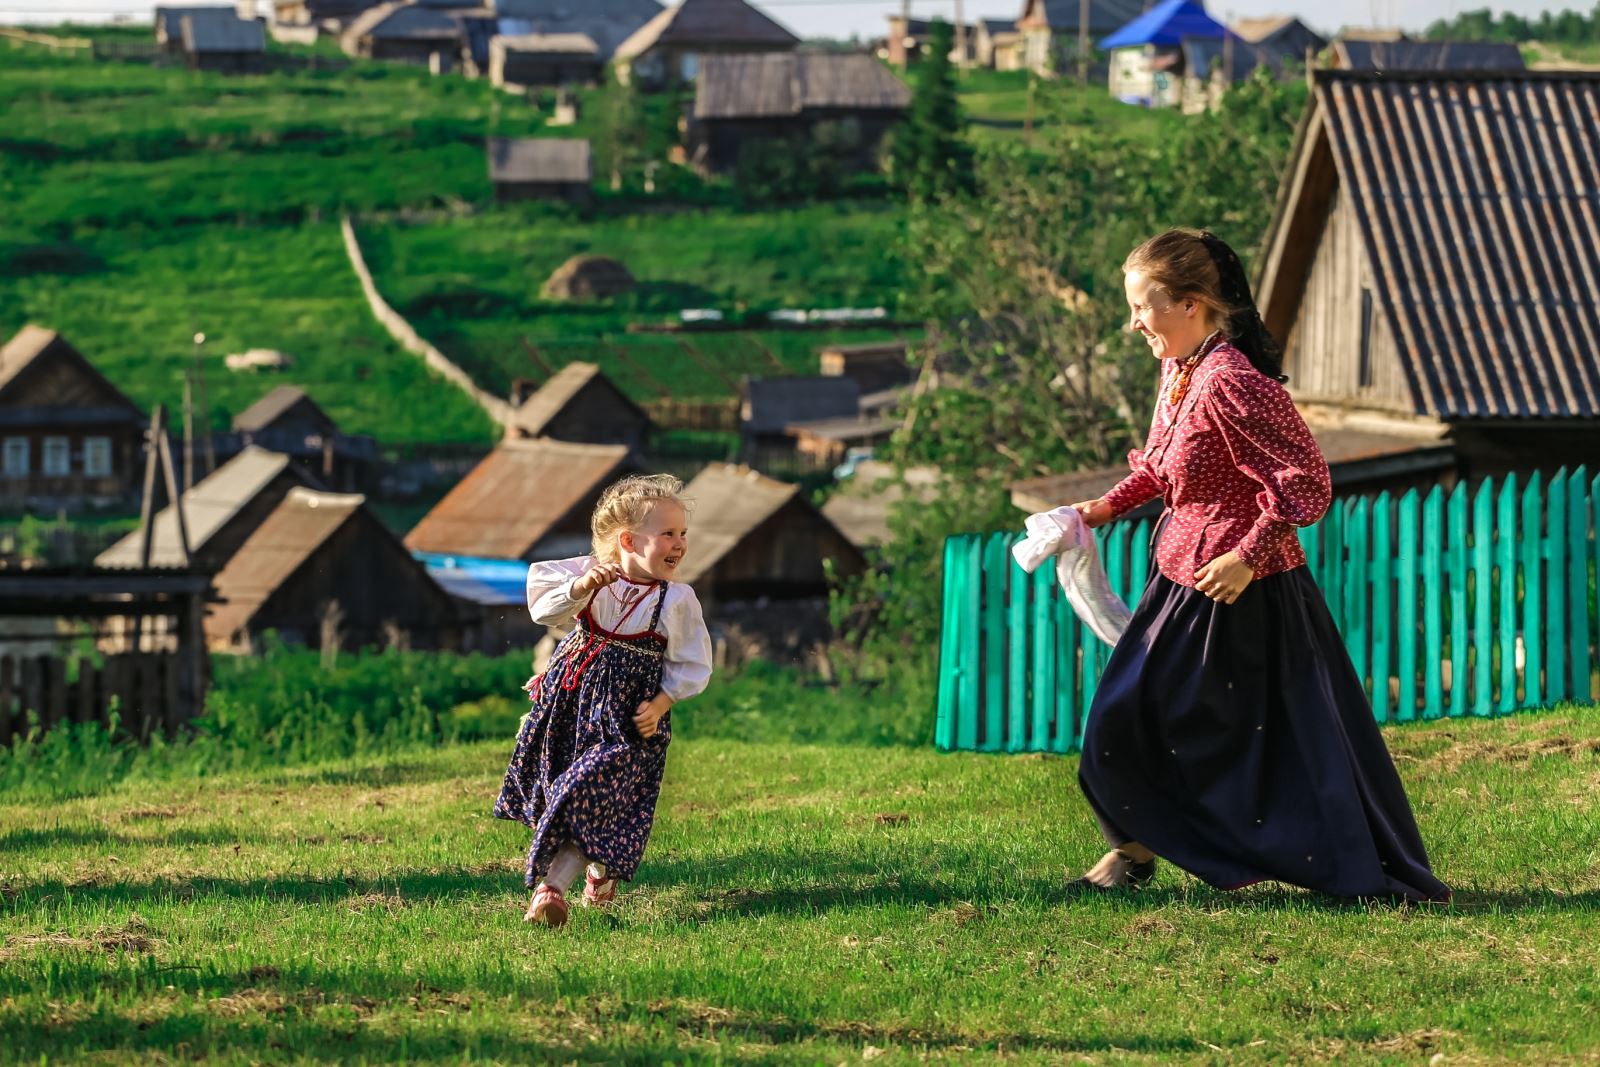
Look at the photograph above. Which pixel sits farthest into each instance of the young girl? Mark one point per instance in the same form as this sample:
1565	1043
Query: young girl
587	765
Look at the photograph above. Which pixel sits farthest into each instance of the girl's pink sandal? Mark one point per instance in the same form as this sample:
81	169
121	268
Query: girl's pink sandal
549	907
598	892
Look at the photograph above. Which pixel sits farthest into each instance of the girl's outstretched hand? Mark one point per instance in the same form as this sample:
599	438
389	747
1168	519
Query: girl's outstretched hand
596	578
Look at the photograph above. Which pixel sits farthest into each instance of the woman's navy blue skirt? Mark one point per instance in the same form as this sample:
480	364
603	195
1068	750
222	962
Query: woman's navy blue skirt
1236	741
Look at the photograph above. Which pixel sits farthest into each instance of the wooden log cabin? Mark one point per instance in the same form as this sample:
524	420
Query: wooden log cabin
1434	264
69	439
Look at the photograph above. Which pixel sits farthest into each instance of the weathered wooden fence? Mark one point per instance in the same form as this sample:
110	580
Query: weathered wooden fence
143	688
1478	601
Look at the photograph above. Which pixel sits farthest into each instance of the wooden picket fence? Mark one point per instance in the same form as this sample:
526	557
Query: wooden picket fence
144	687
1478	601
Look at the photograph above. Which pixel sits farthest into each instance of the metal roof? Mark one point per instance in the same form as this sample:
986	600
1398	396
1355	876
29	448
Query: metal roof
206	32
207	507
1426	55
1478	201
539	159
515	496
788	83
708	22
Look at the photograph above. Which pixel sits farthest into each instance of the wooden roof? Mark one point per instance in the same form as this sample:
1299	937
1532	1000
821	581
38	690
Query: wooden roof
1426	55
222	32
722	23
33	346
515	496
781	84
273	406
551	399
729	503
539	159
1477	205
772	404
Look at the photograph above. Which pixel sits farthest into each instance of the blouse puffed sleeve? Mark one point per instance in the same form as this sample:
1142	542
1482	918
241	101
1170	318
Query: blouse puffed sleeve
550	599
687	668
1271	444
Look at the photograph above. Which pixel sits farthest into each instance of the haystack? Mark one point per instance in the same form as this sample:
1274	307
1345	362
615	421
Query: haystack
588	277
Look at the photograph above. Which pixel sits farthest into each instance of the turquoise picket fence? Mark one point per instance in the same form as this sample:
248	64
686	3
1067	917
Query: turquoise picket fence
1478	601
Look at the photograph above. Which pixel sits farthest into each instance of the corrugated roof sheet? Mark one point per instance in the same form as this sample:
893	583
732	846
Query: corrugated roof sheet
512	499
708	22
539	159
787	83
771	404
729	503
206	509
279	547
1478	199
208	32
1426	55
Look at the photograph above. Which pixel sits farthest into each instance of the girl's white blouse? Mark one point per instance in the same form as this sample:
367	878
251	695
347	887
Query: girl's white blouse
687	663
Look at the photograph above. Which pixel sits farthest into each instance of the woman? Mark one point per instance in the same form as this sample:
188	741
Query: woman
1230	734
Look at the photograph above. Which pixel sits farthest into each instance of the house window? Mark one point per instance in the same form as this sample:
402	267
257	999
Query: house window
690	67
57	455
1364	370
16	457
97	456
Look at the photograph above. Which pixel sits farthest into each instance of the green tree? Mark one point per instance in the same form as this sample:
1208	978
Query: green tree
930	156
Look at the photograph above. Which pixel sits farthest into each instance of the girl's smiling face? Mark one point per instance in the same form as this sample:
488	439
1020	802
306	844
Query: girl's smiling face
658	546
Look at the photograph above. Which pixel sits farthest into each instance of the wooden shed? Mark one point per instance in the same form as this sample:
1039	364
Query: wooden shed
1445	288
528	499
286	419
543	59
580	404
220	513
874	366
769	406
224	42
68	437
605	22
1050	29
407	31
668	50
169	22
541	168
322	567
742	100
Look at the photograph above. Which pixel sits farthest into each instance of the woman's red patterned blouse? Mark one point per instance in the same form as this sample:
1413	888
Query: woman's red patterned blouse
1236	465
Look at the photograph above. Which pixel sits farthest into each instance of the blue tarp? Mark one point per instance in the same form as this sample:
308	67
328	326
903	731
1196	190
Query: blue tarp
1166	25
492	582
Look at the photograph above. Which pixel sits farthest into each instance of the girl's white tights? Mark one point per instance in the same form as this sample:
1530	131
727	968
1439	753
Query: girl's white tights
565	867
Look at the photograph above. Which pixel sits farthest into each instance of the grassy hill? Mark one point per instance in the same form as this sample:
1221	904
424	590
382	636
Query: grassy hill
800	904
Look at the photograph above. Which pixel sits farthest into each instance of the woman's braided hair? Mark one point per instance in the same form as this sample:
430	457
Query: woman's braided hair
1198	265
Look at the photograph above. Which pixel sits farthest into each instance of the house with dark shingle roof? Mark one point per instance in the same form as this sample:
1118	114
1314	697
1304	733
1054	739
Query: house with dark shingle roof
1433	264
541	168
670	48
223	42
285	419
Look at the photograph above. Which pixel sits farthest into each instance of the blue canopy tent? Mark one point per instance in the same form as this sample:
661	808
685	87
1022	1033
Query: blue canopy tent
1165	26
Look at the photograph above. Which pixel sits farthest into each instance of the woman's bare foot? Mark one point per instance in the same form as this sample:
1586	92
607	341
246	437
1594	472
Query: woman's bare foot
1131	865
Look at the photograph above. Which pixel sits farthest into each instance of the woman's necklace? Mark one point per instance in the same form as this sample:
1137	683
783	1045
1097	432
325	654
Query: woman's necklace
1180	382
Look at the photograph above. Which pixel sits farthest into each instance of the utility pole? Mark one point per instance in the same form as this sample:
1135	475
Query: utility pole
204	402
1083	42
188	431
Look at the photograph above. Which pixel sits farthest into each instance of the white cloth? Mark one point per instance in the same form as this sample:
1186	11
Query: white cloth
686	669
1062	534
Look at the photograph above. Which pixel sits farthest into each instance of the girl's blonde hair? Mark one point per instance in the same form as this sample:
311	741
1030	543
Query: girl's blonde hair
625	505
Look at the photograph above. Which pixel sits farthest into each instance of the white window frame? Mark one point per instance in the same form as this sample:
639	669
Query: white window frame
18	457
97	457
56	457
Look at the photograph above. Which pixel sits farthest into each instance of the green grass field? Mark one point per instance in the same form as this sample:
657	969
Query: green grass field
996	103
799	904
472	286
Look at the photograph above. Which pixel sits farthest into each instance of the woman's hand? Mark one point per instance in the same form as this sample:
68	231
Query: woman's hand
1094	512
1224	578
651	712
595	579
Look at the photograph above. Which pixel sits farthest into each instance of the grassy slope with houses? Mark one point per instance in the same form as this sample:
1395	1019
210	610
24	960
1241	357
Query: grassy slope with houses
800	904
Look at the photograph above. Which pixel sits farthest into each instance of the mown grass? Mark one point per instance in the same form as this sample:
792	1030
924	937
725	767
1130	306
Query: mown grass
472	286
996	103
799	904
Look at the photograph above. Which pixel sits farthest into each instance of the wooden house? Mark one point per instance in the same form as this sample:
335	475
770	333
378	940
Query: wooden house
997	44
169	22
220	513
668	49
287	420
1149	60
759	555
769	406
1282	36
874	366
607	23
1433	273
433	33
742	100
322	567
581	405
543	59
1437	56
224	42
1050	30
334	15
528	499
541	168
68	437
